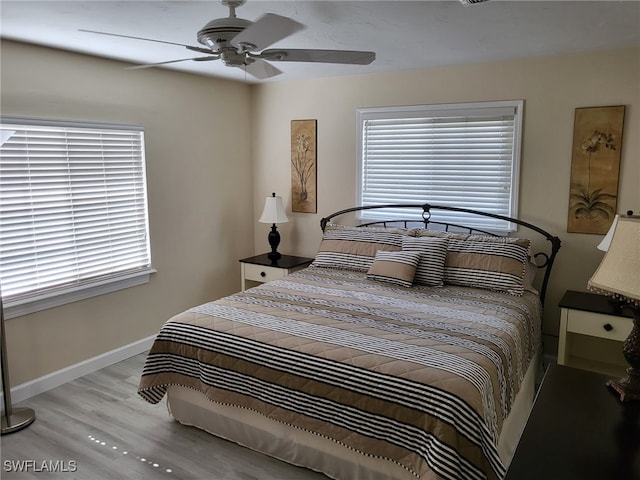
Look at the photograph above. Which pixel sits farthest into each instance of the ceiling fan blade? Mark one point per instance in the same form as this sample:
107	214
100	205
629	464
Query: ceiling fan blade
261	69
266	31
197	59
321	56
190	47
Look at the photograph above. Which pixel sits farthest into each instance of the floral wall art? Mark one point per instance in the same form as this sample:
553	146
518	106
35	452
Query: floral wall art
303	166
595	165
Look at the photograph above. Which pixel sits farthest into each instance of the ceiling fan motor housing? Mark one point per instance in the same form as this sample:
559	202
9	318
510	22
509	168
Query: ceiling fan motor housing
218	32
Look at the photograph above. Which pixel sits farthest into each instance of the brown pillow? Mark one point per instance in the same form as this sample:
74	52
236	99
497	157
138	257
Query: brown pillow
354	248
491	265
398	268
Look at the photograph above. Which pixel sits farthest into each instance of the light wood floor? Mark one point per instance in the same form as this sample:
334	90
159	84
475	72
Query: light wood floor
98	426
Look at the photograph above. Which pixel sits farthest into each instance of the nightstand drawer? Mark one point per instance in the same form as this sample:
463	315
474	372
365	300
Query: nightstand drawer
598	325
261	273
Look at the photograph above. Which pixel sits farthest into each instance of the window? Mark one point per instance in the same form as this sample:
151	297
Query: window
462	155
73	212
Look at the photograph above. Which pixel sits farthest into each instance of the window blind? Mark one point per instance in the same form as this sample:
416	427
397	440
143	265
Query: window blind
73	206
457	155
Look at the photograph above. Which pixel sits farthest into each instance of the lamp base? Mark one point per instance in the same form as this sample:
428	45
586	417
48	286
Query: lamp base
627	388
274	241
20	418
274	256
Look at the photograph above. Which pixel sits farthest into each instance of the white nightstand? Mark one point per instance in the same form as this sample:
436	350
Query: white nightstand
592	331
260	269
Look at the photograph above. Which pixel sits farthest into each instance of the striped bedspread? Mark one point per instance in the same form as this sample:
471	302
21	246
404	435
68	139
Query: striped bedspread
421	376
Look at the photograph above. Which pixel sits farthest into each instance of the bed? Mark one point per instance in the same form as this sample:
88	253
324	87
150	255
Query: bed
405	350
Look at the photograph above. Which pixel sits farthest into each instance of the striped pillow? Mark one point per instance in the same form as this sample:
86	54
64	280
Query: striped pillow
354	248
398	268
433	253
492	265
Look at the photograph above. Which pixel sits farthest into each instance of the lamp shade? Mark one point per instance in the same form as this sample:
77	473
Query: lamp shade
619	272
273	211
606	241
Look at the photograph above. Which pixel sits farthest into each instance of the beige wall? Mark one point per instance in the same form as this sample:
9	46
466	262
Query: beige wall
552	88
199	185
215	148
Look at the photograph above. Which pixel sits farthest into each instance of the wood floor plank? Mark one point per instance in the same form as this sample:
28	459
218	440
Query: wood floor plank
102	429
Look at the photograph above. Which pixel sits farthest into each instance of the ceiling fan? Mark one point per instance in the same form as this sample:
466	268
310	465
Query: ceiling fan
240	43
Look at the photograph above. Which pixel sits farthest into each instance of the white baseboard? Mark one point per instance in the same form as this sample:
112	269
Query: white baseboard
54	379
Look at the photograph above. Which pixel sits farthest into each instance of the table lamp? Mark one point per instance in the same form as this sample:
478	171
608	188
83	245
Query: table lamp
618	276
273	213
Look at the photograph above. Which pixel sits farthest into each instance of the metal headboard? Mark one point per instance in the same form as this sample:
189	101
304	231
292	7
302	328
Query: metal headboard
426	208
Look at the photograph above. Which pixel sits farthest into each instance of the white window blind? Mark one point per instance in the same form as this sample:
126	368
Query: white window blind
73	210
461	155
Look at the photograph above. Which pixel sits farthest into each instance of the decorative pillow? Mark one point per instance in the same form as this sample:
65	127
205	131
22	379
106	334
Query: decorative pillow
354	248
493	265
398	268
433	253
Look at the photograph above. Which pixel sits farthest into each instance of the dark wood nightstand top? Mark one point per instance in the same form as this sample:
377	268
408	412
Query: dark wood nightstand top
592	302
286	261
578	429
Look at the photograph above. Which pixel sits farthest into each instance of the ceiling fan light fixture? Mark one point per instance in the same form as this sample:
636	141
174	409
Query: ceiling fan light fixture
231	58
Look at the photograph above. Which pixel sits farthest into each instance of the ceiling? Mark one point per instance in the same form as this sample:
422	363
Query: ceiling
404	34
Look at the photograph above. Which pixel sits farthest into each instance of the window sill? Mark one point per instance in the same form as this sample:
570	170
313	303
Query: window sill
36	303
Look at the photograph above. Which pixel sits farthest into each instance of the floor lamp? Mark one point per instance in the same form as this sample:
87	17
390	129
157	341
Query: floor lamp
13	419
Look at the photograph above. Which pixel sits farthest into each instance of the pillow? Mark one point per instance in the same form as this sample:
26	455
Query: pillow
354	248
530	271
433	253
492	265
398	268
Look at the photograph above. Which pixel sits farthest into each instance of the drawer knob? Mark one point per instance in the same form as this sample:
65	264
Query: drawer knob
263	274
608	327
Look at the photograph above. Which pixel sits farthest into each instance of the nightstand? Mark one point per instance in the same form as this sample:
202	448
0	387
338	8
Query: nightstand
592	331
260	269
578	430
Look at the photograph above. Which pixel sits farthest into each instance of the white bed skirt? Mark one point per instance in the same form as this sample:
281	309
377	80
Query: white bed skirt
306	449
